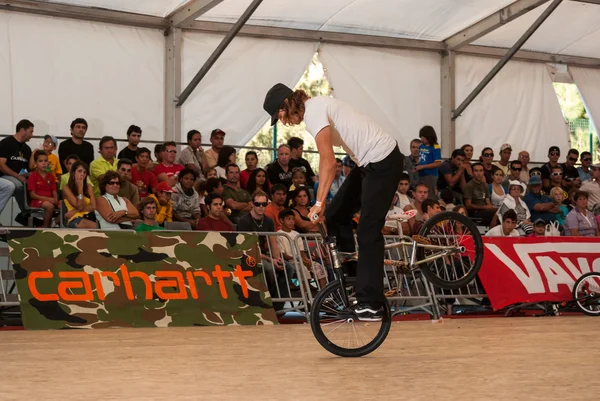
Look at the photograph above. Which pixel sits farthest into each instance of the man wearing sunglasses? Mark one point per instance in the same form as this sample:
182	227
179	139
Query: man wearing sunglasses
570	173
514	174
585	173
553	155
592	187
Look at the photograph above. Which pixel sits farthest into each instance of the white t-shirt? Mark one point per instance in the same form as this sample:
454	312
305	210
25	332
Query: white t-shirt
285	245
497	232
361	137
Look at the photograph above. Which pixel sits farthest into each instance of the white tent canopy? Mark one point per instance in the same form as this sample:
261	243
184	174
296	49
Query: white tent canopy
406	62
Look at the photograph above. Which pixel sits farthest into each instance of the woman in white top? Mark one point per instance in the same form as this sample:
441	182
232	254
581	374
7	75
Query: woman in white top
114	212
497	191
514	202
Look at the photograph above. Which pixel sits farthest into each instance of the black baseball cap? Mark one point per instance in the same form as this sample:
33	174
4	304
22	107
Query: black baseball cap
275	97
554	149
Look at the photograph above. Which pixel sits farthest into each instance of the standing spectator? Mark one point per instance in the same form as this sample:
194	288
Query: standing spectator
258	181
168	171
296	148
476	195
78	196
553	156
186	201
148	208
540	206
487	156
507	228
497	190
279	171
516	168
128	190
42	187
76	145
54	166
14	160
452	174
505	153
236	198
193	156
585	174
144	179
347	164
217	138
570	172
524	159
106	162
592	187
513	201
162	196
134	135
580	221
279	195
251	164
112	211
227	155
430	159
412	161
214	220
468	149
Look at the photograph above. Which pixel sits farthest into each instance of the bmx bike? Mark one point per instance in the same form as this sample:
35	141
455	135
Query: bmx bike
448	251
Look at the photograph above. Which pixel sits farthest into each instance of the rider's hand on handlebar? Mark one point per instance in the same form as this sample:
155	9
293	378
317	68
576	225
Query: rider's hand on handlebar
315	214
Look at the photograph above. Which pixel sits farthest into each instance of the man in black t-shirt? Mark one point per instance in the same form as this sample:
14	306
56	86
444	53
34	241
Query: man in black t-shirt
570	173
296	148
76	145
134	135
14	164
280	171
451	174
553	155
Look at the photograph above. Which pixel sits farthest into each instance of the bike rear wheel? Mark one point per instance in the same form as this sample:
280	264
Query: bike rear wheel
451	230
338	330
586	293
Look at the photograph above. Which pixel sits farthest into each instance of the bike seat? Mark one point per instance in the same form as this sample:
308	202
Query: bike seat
402	216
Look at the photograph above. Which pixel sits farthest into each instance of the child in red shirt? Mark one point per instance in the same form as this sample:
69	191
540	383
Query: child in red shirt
42	187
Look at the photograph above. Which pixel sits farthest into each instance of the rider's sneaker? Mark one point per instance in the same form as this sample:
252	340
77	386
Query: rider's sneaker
367	313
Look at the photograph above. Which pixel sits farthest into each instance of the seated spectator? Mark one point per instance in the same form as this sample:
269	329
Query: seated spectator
168	171
217	138
580	221
514	202
585	173
148	208
134	135
540	206
546	169
54	167
42	187
410	162
214	220
391	226
507	228
299	180
251	164
113	211
447	200
524	159
535	171
486	159
204	188
505	153
141	176
211	173
497	191
106	162
128	190
592	187
348	164
162	196
420	194
159	149
297	161
227	155
515	170
556	175
539	228
557	195
236	198
64	179
78	195
258	181
476	195
279	195
76	145
311	268
429	208
192	156
430	159
403	199
186	201
570	173
452	174
301	208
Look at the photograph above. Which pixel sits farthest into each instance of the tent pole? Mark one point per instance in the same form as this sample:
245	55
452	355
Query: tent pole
218	51
506	58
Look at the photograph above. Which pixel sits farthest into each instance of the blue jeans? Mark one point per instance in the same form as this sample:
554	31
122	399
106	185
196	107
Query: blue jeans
7	189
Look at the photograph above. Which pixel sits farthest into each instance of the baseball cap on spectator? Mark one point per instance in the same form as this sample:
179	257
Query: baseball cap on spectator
52	138
554	149
535	180
217	131
505	146
164	187
539	222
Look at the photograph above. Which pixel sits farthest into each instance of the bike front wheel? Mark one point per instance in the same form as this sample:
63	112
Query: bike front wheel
337	328
586	293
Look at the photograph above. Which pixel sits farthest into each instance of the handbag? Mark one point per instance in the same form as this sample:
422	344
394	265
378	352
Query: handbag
552	229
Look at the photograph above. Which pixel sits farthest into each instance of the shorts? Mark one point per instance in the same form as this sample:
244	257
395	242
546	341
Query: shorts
36	203
73	223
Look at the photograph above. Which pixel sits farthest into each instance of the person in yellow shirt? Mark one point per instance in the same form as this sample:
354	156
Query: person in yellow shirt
162	196
54	167
107	161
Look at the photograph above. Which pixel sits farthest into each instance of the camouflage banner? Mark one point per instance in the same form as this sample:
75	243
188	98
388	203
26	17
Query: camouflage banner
95	279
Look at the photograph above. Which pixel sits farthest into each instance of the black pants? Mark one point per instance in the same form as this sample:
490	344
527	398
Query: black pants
369	189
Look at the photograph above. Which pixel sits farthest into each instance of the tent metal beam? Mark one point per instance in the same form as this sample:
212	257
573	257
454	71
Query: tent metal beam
531	56
597	2
186	14
448	76
84	13
530	31
492	22
218	51
173	43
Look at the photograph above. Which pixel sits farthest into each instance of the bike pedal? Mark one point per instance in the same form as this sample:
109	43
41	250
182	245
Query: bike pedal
421	240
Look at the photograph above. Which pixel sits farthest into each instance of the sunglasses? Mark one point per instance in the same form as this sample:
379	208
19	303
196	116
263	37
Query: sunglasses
586	160
556	174
260	204
171	151
516	168
488	155
523	157
114	183
536	173
573	159
554	154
